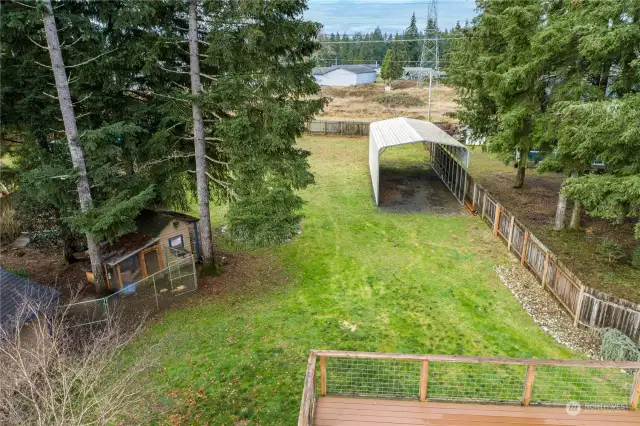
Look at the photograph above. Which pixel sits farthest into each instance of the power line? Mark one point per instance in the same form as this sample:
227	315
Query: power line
390	41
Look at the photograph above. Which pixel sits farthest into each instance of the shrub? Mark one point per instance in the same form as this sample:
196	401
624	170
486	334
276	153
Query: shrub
9	224
616	346
611	251
635	258
398	99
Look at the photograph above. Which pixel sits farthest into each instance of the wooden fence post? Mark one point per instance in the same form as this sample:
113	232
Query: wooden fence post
545	270
323	375
512	223
523	257
576	318
475	193
496	222
484	203
424	376
635	392
308	127
528	384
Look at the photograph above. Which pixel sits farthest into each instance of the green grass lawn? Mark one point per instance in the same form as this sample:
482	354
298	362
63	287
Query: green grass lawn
355	279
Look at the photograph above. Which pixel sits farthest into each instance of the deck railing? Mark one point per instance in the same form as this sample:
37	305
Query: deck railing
519	381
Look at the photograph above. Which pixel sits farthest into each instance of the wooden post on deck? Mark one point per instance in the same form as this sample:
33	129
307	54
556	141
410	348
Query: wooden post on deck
523	258
545	270
323	376
511	225
635	392
496	222
528	384
424	376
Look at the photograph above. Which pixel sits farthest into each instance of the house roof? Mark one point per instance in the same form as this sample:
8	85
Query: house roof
356	69
152	222
22	299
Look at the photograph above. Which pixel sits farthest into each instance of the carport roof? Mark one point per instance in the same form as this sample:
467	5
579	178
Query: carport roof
402	130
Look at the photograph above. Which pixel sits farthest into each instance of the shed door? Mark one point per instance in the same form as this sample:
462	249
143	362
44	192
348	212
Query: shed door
152	262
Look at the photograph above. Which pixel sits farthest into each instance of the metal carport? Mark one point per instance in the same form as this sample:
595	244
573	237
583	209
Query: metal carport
449	158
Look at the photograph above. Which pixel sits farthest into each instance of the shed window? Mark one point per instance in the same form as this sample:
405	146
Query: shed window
176	242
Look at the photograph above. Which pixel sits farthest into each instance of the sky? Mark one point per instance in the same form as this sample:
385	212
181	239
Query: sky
351	16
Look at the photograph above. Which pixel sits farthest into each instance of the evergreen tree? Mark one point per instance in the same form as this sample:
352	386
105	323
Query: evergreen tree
393	64
414	48
501	95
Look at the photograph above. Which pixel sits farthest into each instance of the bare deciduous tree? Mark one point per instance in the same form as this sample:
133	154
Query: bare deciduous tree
65	374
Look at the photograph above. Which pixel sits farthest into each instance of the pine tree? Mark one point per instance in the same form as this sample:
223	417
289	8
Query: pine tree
414	48
501	95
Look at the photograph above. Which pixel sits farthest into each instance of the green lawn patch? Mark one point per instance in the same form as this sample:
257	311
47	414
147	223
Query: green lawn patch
355	279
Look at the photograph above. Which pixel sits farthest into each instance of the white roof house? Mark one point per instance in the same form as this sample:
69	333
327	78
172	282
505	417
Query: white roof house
449	158
344	75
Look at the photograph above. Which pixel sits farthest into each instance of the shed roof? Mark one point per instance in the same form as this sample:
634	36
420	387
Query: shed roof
356	69
21	299
402	130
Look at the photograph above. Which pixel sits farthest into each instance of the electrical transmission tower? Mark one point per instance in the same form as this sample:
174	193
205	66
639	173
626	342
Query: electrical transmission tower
430	55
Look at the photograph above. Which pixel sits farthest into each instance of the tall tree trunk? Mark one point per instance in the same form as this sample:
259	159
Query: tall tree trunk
206	243
522	168
576	214
561	212
71	130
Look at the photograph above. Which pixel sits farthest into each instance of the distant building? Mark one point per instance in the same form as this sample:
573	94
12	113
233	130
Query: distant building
344	75
417	73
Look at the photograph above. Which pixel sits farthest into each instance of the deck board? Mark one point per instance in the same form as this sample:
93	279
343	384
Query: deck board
342	411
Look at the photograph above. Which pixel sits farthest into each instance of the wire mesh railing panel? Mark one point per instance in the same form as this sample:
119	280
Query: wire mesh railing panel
475	382
596	388
373	377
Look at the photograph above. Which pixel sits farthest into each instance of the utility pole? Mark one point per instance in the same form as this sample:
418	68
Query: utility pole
429	58
429	105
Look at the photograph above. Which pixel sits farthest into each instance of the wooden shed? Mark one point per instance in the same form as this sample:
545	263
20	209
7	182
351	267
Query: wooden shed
161	236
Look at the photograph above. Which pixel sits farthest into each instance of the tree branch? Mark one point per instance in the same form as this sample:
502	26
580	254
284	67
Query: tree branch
43	65
51	96
37	44
90	60
23	4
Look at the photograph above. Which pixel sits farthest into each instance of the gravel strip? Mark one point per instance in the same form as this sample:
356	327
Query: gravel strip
547	312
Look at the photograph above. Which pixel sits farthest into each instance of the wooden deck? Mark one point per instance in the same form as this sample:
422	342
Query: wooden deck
342	411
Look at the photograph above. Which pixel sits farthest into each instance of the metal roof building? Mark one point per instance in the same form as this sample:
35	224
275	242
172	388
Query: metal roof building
344	75
21	300
449	158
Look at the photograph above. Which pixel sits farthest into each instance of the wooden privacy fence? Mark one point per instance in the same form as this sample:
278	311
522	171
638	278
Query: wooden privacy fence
349	128
342	128
517	381
587	306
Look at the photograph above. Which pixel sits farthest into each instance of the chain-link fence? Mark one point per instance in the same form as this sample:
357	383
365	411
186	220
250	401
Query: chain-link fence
154	292
594	384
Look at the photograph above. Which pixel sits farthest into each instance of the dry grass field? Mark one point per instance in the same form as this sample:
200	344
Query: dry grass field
370	102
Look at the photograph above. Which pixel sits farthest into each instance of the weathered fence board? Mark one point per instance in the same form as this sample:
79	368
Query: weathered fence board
343	128
588	306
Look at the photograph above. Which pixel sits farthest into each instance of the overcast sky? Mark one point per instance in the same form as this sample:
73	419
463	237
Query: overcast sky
391	15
